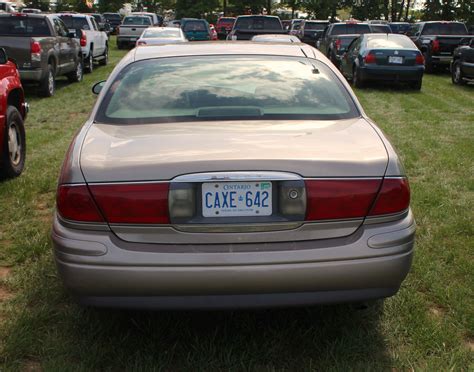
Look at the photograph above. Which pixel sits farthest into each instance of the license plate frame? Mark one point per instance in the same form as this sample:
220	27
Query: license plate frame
396	60
233	199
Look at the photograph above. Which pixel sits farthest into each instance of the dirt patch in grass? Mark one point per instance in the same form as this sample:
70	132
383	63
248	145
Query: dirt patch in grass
4	272
437	312
470	343
4	294
32	366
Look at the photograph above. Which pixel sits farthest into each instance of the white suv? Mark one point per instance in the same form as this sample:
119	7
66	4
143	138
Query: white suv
94	43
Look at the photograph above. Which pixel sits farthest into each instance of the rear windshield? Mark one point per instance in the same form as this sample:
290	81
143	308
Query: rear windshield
195	26
113	16
23	26
390	42
145	21
78	23
225	88
258	23
381	29
315	26
444	29
350	29
399	27
163	33
226	20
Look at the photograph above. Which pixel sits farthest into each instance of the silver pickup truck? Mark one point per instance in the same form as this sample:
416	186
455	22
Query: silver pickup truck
130	30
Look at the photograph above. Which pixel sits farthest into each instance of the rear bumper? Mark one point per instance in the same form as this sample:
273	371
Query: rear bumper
441	60
392	73
127	40
31	75
118	274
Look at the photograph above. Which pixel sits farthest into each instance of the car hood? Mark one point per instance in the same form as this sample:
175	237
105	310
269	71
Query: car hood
343	148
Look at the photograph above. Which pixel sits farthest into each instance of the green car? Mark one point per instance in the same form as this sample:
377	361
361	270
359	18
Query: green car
196	29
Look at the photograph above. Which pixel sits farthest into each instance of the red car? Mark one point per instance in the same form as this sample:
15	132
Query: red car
224	26
13	110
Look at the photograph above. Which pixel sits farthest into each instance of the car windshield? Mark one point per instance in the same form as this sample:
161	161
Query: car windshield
164	33
228	87
390	42
143	20
314	26
78	23
348	29
195	26
23	26
258	23
444	29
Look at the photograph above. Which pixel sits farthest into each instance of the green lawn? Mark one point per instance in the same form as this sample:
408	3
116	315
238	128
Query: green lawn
429	325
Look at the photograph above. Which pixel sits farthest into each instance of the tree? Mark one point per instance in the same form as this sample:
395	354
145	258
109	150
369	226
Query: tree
321	9
195	9
110	5
38	4
294	5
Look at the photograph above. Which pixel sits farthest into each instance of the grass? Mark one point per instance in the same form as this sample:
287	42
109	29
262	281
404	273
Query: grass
429	325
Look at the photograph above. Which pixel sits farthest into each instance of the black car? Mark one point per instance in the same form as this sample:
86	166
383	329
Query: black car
399	27
462	65
114	20
102	22
383	57
380	29
311	31
246	27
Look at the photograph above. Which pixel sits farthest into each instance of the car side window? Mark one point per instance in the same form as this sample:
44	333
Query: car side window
60	27
352	46
94	24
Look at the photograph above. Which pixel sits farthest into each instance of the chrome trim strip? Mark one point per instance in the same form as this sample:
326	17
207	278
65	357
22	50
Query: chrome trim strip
240	228
237	176
98	226
372	220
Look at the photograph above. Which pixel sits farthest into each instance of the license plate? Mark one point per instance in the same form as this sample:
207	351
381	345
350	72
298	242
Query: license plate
394	59
236	199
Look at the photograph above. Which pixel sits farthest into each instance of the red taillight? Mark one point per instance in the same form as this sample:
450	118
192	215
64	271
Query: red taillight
394	197
145	203
340	199
420	60
435	46
118	30
140	42
338	44
370	58
35	47
83	40
74	202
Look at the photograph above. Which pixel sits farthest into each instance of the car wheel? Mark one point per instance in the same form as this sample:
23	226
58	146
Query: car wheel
47	86
105	60
416	85
77	75
14	146
429	67
90	62
356	79
456	74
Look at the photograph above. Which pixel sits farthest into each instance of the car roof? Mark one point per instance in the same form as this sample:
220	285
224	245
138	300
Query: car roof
257	16
227	48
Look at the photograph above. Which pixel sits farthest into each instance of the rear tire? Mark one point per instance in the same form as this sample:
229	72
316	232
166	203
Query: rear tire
77	75
90	62
456	74
12	158
429	67
356	78
47	86
105	60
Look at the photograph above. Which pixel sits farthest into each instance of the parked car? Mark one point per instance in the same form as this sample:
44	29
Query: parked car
383	57
43	49
196	29
13	110
131	29
462	65
31	11
213	32
251	177
295	26
94	43
437	41
311	31
7	7
286	23
380	28
246	27
278	38
174	23
224	26
102	22
114	19
161	35
326	43
399	27
155	21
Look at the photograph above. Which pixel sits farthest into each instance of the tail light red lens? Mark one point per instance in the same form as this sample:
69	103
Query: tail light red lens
83	39
141	42
419	59
145	203
340	199
35	47
435	46
338	44
75	203
394	197
370	58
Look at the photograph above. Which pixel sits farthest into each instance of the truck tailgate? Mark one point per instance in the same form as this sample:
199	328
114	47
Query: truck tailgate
18	48
132	30
447	44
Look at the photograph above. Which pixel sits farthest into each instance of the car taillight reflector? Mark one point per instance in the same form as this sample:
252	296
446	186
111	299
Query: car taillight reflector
139	42
340	199
144	203
35	47
370	58
83	40
419	59
394	197
435	46
75	203
338	44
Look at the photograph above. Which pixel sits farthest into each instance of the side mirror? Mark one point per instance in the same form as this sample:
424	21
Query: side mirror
3	56
97	88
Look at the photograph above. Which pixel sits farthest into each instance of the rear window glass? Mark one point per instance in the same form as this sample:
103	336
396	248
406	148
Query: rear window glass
225	88
113	16
314	26
163	33
400	27
195	26
444	29
226	20
23	26
380	29
258	23
78	23
350	29
145	21
390	42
